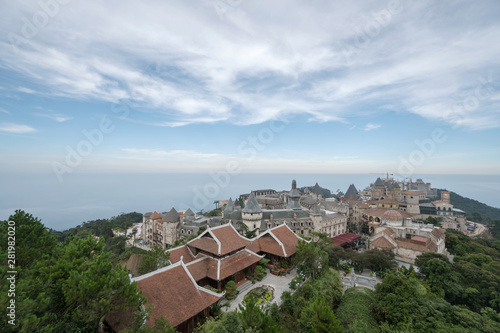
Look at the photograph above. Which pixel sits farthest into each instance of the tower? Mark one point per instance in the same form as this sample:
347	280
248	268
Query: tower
294	197
252	214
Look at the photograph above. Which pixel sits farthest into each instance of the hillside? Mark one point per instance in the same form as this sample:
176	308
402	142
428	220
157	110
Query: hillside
475	210
102	227
326	193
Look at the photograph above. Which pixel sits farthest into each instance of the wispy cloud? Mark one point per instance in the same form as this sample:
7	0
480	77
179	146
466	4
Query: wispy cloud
371	126
4	111
16	128
60	118
239	65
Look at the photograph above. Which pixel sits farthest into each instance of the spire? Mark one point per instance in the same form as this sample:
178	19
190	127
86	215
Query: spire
172	216
252	205
229	208
294	197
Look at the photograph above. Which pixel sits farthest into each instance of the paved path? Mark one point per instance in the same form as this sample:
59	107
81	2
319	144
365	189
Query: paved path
279	283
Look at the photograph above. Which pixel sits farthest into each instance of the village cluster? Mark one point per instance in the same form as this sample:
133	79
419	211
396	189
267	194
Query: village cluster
393	212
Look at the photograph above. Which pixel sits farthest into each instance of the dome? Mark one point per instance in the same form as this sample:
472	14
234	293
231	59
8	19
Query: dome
393	215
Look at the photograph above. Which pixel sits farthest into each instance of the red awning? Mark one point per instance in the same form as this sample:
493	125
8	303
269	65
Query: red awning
346	238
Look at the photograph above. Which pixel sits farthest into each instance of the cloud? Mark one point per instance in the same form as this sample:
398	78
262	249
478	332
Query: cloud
4	111
328	62
60	118
371	126
16	128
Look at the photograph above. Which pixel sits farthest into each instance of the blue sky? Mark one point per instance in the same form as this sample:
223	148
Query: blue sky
275	87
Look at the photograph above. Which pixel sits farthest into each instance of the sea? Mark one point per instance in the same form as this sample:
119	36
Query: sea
82	197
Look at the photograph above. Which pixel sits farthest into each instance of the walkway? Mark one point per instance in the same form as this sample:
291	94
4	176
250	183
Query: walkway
279	283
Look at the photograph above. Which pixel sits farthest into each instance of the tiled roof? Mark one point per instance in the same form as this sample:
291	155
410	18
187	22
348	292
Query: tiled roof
428	246
379	212
155	216
199	268
388	232
379	182
382	243
237	262
268	244
174	294
230	240
252	206
229	207
413	192
388	201
189	212
172	216
438	232
393	215
210	267
206	244
287	238
181	251
220	240
265	242
351	193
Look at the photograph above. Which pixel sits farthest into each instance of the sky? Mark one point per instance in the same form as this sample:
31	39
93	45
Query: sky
234	86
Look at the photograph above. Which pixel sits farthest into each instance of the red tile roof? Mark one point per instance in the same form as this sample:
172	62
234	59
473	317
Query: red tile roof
237	262
206	244
345	238
379	212
268	244
174	295
199	269
227	237
287	238
230	240
428	246
388	232
270	240
382	243
155	216
181	251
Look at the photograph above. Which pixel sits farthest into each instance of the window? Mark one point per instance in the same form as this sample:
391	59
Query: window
254	226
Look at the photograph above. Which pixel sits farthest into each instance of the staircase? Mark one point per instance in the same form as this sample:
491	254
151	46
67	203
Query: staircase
244	286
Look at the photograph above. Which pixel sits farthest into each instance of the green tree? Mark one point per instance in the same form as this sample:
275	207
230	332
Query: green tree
71	289
310	259
32	239
254	318
354	312
319	317
155	259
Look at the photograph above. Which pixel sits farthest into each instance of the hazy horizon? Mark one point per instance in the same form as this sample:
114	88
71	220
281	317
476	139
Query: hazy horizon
85	197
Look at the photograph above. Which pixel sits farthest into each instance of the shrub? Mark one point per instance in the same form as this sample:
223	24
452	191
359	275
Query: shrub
260	272
231	290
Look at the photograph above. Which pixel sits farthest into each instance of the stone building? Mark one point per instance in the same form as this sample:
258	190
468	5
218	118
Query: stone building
299	220
300	213
407	239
